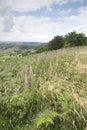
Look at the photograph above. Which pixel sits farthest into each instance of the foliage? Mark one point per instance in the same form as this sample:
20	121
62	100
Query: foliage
75	39
45	118
56	43
45	91
71	39
42	49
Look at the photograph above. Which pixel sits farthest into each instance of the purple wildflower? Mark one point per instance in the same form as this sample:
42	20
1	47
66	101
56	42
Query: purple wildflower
31	71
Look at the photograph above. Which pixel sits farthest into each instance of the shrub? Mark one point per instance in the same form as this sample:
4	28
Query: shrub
75	39
56	43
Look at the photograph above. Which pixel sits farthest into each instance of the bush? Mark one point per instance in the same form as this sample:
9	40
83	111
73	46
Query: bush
75	39
56	43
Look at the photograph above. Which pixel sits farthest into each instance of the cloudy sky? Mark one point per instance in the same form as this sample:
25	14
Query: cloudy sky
41	20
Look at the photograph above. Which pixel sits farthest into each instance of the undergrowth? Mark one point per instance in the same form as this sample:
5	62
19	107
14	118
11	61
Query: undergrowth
46	91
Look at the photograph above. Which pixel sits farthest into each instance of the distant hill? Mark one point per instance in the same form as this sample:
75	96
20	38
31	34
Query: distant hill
11	43
18	47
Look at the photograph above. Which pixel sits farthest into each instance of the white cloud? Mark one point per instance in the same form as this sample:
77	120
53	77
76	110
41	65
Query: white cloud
80	29
48	9
77	0
27	5
8	23
64	12
83	11
7	6
32	28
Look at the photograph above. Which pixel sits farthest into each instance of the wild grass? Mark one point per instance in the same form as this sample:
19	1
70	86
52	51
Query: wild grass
46	91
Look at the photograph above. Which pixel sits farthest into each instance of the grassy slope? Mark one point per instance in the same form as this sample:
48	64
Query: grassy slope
53	96
15	50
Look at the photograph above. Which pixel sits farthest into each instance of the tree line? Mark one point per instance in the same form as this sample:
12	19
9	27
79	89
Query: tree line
71	39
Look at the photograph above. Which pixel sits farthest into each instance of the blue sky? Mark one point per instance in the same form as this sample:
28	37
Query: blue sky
38	20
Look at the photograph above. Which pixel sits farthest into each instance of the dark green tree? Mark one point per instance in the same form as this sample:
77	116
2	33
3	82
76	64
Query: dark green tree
75	39
56	43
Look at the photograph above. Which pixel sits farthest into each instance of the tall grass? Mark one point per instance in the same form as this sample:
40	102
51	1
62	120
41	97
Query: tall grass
46	91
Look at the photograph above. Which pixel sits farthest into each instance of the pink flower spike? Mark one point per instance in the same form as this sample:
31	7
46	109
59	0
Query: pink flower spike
31	71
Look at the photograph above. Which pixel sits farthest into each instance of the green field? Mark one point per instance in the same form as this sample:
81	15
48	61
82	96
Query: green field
45	91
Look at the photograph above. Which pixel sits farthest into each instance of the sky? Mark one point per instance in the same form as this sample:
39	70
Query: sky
41	20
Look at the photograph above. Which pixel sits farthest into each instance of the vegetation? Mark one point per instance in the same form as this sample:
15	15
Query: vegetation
72	39
46	91
42	48
56	43
75	39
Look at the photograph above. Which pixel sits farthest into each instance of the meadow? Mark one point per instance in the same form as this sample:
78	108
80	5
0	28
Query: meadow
45	91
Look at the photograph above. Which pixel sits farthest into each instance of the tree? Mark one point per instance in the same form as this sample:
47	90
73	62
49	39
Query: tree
56	43
75	39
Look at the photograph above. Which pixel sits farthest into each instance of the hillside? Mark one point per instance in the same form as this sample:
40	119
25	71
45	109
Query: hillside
45	91
18	48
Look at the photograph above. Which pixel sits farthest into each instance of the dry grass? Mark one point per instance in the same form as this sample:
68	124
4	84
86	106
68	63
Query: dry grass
80	100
